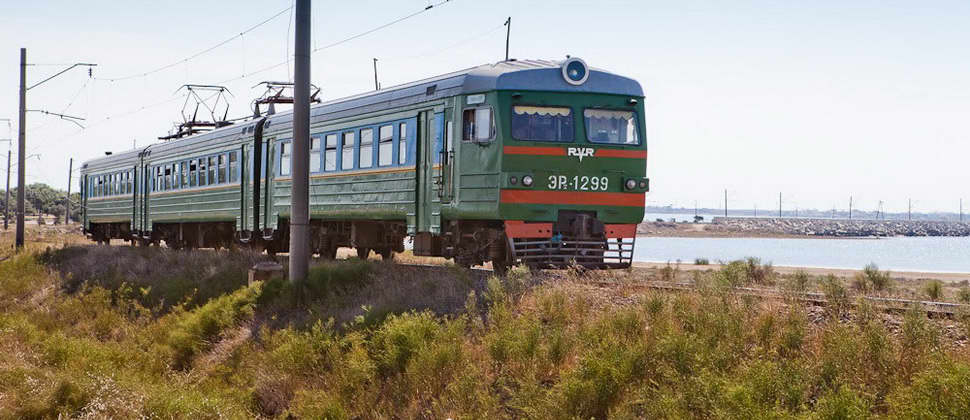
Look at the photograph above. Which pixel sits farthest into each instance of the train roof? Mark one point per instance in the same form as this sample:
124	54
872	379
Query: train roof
536	75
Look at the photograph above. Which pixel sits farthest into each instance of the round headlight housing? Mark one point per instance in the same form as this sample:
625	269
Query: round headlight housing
527	180
631	184
575	71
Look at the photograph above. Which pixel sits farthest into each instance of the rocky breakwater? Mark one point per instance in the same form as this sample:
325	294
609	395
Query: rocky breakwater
841	227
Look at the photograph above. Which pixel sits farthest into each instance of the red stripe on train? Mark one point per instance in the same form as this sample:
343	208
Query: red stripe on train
572	197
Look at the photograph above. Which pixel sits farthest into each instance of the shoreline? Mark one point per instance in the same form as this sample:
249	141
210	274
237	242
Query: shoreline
952	277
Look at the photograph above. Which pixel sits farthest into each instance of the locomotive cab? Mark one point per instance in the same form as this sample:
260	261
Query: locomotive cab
573	164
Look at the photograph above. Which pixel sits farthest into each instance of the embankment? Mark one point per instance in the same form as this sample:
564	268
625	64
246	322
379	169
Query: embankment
841	227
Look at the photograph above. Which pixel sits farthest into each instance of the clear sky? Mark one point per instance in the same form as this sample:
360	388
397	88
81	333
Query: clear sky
820	100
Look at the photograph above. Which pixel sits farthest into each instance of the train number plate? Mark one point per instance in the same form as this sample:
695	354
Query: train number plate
578	183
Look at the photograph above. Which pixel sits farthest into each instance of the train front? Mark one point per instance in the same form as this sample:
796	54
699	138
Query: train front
574	156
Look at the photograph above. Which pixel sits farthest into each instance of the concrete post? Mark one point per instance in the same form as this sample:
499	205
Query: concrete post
300	195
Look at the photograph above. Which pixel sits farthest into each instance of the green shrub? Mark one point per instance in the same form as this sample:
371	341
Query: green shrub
836	296
798	282
964	295
701	261
195	330
933	289
758	273
842	403
940	392
877	280
399	338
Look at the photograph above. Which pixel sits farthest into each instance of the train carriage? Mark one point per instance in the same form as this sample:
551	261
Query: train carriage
534	162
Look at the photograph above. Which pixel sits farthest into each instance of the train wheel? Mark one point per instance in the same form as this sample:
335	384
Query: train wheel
386	254
363	253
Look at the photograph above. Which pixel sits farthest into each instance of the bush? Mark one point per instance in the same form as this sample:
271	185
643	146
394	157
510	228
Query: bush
701	261
758	273
941	392
837	298
194	331
964	295
860	283
933	289
798	282
878	280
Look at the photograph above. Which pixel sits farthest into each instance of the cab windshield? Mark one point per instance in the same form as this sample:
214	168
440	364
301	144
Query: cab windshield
542	123
611	127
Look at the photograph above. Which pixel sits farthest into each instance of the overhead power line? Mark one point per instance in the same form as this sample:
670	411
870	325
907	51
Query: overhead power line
336	43
368	32
198	54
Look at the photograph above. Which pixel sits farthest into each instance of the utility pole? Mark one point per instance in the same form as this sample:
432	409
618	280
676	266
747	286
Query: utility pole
961	210
725	202
756	210
21	148
377	86
850	207
67	206
910	211
695	209
300	196
22	135
779	204
6	200
508	31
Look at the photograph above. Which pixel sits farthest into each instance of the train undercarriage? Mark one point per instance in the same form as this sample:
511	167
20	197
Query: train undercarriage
576	239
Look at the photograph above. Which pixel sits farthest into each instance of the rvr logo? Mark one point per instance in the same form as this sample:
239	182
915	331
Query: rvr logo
580	152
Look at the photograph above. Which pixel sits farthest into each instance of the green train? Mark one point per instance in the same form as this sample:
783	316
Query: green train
519	162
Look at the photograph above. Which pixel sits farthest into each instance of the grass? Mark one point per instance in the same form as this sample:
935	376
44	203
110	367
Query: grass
369	339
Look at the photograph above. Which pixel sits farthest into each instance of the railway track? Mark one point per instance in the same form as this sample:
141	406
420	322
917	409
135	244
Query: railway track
933	309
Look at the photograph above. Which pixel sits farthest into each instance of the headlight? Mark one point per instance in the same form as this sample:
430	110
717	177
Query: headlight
527	181
513	180
631	184
643	184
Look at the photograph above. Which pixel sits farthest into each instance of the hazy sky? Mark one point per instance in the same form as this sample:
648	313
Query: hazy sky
820	100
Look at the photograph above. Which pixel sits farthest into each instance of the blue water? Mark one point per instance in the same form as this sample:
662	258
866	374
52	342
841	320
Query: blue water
930	254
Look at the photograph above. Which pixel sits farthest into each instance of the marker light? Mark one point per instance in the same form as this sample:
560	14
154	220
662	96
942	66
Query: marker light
631	184
513	180
527	181
643	184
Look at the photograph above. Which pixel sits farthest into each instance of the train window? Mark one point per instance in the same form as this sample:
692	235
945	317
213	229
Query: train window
386	146
184	174
233	167
222	168
347	153
158	178
193	173
285	159
114	184
611	127
211	177
477	124
330	155
402	144
167	180
366	148
202	179
542	123
314	154
175	176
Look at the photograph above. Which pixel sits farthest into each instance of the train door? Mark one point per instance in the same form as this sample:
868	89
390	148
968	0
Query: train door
445	146
135	176
428	205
